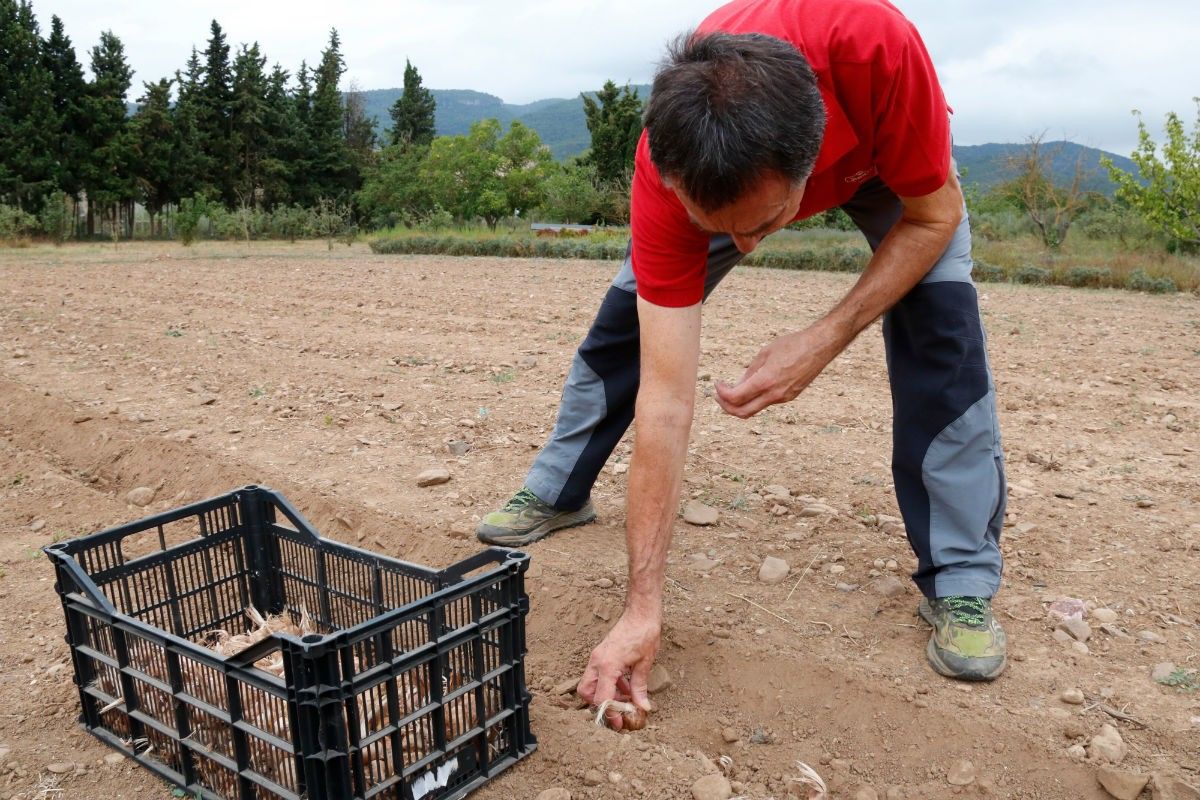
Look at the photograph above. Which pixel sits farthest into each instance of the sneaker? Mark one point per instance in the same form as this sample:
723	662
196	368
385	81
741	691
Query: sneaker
526	519
967	642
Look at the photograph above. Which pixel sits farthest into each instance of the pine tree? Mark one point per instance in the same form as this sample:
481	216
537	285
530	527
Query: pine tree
249	123
155	163
330	169
299	144
614	119
107	176
68	89
28	123
413	112
216	117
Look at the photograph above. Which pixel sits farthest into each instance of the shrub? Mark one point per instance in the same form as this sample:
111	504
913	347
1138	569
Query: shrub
1032	275
187	218
55	218
984	272
16	225
1139	281
1093	277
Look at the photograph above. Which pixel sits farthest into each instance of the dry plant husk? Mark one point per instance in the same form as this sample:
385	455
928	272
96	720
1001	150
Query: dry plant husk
633	718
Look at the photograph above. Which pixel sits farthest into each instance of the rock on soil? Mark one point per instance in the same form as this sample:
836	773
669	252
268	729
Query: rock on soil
659	679
773	570
141	496
555	793
1107	745
712	787
1168	787
889	586
1121	784
695	513
1066	608
1105	615
1162	671
433	477
1073	697
961	773
1079	630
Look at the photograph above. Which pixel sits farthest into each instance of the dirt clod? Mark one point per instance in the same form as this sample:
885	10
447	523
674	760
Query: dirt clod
555	793
712	787
1108	746
961	773
141	496
1170	787
1072	696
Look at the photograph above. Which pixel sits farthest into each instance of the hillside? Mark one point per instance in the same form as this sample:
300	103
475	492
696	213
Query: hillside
986	165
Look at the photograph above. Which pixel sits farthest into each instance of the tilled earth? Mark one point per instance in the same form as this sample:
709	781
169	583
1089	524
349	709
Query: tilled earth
338	377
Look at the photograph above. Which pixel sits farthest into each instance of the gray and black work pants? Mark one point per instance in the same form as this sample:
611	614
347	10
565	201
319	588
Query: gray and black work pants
946	458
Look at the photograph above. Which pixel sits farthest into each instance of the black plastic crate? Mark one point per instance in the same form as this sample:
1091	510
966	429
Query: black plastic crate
415	688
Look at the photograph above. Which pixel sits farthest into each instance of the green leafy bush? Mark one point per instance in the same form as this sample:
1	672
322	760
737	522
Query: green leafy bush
16	225
187	218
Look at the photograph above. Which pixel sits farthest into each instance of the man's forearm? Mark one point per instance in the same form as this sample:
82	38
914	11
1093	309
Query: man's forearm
655	476
902	259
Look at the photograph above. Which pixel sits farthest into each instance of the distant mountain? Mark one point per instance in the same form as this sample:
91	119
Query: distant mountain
561	124
987	165
559	121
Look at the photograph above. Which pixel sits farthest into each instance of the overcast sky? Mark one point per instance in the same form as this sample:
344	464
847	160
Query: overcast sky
1073	69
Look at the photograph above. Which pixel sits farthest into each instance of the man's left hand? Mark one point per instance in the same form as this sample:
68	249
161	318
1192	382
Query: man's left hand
780	372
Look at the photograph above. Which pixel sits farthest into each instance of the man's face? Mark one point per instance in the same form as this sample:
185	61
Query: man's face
764	208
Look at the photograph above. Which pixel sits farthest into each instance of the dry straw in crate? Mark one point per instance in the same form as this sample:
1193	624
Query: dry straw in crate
231	650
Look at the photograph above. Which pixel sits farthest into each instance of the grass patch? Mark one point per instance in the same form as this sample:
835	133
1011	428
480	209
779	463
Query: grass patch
1183	680
1082	263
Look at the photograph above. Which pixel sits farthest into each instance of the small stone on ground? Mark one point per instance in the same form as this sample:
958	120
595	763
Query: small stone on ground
696	513
961	773
712	787
1121	784
659	679
555	793
141	496
433	477
773	570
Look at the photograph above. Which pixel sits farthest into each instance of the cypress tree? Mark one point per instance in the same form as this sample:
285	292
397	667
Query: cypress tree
330	168
413	112
67	89
279	123
249	123
155	163
107	176
28	123
193	163
216	117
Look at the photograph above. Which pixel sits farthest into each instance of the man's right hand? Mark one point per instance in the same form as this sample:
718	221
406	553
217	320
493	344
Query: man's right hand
619	667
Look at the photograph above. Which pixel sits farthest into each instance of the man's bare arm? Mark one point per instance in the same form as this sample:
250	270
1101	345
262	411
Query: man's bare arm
620	665
786	366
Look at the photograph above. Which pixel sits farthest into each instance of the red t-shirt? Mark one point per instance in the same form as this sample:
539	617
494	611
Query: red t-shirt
885	116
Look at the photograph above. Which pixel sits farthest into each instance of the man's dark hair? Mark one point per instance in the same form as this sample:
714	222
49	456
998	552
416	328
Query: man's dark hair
726	108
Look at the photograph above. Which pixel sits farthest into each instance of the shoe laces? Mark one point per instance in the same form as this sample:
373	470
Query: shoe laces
970	611
521	500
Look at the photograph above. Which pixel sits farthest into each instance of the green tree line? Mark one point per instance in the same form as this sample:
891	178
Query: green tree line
257	148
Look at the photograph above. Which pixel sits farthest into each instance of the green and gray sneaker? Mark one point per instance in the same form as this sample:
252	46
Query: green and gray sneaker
526	519
967	642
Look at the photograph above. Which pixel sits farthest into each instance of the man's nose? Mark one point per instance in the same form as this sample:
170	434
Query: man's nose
746	244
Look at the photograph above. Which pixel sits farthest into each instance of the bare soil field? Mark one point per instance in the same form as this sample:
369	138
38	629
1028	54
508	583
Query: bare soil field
337	377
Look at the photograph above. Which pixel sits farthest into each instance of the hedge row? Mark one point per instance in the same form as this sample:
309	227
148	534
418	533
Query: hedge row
840	258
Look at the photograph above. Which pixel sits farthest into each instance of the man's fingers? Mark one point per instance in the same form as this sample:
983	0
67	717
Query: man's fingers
744	391
638	684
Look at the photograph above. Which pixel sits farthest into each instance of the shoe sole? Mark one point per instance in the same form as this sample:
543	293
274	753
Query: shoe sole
505	538
944	669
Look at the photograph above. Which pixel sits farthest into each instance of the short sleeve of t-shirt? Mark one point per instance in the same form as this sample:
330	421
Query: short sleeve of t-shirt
670	254
912	133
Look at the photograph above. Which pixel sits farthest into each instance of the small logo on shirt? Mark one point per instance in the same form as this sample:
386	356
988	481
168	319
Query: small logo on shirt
859	176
